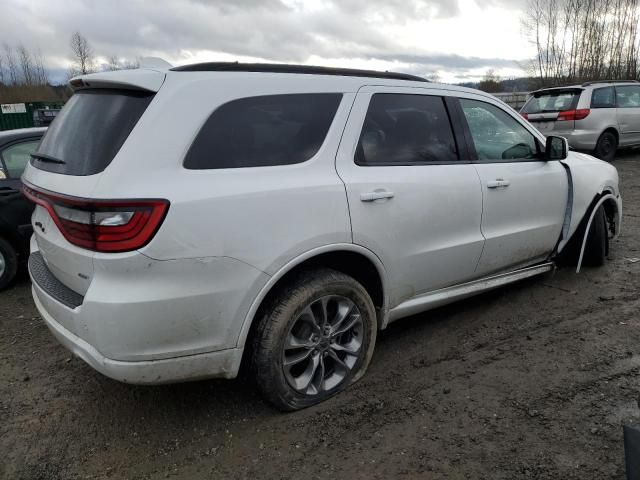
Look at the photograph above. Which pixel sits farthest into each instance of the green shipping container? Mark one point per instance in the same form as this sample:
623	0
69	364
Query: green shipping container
20	115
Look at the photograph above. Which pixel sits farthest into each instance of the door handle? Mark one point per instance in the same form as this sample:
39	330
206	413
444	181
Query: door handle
498	183
376	195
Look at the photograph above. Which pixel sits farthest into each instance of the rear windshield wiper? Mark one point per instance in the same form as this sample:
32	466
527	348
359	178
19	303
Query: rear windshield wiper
47	158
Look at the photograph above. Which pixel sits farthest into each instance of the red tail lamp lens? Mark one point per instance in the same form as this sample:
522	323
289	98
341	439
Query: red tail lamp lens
102	225
574	114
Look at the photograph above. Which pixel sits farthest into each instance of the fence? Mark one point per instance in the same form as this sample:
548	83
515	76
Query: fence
515	100
20	115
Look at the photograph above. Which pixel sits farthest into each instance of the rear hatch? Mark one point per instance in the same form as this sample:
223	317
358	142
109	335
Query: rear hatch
63	173
554	110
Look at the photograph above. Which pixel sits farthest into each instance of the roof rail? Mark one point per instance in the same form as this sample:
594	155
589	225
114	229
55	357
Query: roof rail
285	68
586	84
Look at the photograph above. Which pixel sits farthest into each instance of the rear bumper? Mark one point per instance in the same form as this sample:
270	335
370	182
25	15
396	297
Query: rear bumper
159	322
579	139
220	364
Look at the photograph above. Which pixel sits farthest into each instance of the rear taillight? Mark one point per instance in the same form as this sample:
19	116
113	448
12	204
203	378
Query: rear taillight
525	116
102	225
574	114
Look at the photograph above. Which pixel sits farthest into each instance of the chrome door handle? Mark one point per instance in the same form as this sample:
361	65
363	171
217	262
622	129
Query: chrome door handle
376	195
499	183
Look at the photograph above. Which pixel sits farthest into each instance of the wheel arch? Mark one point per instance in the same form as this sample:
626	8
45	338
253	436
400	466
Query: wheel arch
613	214
354	260
613	130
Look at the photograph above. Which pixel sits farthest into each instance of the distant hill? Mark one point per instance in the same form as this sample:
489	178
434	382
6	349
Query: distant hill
523	84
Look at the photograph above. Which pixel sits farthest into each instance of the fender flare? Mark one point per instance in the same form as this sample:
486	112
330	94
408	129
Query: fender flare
286	268
604	198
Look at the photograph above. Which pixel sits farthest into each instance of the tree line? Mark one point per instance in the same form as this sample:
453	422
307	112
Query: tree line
579	40
24	76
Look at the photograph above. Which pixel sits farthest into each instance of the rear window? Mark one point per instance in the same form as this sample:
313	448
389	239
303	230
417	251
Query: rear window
552	101
89	131
263	131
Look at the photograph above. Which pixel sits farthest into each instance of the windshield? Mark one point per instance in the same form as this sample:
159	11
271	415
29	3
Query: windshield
89	131
552	101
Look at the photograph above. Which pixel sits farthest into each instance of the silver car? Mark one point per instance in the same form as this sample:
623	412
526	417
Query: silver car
595	117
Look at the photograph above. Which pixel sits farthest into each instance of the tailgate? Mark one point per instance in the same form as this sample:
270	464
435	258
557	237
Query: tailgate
72	265
79	145
548	124
544	108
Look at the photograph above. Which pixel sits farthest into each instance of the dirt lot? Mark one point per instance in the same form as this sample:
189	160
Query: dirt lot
531	381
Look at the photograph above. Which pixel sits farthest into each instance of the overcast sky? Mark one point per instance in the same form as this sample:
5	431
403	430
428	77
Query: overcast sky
458	41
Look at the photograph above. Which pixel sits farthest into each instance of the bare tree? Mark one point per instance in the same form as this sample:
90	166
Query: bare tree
12	72
131	64
115	63
83	59
578	40
27	67
491	82
42	76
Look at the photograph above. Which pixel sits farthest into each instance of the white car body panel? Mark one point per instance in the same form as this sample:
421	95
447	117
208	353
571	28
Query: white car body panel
521	221
590	177
182	306
428	234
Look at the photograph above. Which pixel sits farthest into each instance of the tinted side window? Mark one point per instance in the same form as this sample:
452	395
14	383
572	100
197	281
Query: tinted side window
404	129
628	97
263	131
17	156
603	98
496	134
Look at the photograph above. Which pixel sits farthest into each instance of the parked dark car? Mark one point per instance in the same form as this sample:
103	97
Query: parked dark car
16	147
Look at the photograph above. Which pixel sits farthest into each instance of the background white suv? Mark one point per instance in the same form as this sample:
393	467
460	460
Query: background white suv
193	219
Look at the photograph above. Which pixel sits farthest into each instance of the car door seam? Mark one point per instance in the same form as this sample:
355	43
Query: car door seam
335	163
481	216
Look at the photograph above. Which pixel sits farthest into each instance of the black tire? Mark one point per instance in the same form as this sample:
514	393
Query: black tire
606	146
284	314
8	263
597	247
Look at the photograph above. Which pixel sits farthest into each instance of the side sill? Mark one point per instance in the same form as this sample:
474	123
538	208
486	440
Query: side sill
443	296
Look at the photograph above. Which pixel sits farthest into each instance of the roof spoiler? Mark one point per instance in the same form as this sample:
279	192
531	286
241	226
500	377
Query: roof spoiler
144	78
593	82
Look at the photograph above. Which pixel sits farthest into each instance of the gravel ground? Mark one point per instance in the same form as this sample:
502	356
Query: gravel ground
531	381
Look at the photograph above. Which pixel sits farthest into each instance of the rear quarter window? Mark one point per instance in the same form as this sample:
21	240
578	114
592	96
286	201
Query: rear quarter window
603	98
263	131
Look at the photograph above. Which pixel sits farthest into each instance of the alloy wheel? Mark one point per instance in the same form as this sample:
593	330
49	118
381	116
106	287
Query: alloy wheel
323	345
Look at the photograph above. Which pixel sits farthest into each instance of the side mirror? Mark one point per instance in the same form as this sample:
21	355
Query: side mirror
557	148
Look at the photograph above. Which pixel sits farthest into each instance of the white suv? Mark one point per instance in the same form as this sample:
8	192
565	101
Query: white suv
195	219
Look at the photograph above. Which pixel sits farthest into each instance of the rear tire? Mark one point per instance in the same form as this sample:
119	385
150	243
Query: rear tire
302	356
597	247
606	147
8	263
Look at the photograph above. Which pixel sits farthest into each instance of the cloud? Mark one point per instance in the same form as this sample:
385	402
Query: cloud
372	32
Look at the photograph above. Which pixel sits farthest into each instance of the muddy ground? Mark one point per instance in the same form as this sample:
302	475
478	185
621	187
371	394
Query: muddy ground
532	381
